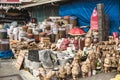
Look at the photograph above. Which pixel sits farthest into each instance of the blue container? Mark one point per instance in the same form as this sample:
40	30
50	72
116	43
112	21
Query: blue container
6	54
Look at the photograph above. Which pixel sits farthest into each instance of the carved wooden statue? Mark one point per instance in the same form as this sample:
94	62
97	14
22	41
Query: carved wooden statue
107	63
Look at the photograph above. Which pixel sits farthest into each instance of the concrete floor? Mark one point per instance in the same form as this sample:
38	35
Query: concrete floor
7	68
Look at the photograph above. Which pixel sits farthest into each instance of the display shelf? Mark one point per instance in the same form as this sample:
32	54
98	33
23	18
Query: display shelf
9	18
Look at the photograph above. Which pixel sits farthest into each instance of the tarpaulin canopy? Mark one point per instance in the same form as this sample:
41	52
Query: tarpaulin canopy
83	10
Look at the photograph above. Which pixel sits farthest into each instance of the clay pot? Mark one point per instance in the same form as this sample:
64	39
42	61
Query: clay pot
36	37
25	28
42	34
29	31
66	17
48	27
30	35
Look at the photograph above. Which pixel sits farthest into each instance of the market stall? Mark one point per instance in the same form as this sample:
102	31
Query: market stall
57	48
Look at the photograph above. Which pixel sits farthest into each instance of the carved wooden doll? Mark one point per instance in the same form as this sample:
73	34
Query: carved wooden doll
68	70
62	73
75	60
84	69
107	63
118	67
42	73
75	71
114	61
49	75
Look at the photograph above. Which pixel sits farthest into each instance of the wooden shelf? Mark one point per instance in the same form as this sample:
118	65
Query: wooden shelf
8	18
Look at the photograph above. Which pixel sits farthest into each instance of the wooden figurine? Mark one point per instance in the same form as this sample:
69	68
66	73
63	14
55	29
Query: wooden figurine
62	73
49	75
75	71
42	73
92	58
107	63
68	70
79	53
53	47
88	63
88	40
114	61
84	69
118	67
44	76
75	60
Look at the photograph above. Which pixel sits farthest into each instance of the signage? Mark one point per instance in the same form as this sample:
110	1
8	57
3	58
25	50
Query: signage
94	20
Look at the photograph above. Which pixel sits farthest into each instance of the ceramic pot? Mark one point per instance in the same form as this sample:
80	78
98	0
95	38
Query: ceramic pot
36	37
30	35
42	34
48	27
29	30
66	17
25	28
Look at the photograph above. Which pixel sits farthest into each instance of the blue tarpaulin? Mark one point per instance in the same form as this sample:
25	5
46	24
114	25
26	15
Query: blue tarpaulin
83	10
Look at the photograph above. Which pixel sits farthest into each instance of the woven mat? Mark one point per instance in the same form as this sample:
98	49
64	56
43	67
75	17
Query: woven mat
11	77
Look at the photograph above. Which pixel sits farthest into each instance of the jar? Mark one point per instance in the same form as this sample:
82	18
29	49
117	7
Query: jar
25	28
30	35
66	17
29	30
36	37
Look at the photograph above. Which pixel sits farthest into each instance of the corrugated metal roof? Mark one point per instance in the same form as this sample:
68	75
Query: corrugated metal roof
40	2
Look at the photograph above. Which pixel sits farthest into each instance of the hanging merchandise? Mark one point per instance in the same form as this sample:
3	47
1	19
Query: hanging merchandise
94	20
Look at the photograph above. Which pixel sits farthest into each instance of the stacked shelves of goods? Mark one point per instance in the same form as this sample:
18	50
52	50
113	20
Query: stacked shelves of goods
10	12
13	15
5	51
